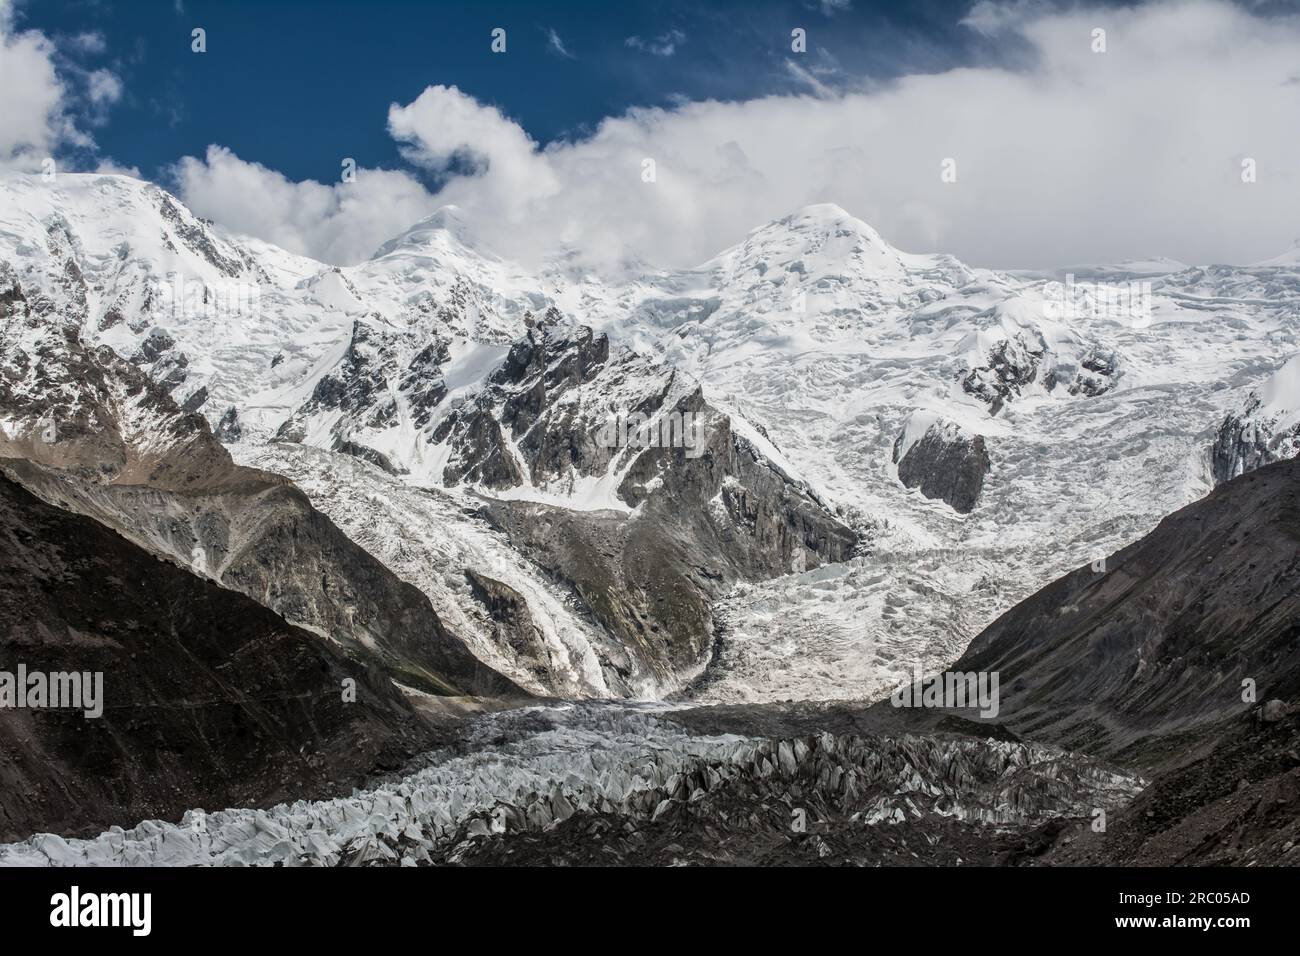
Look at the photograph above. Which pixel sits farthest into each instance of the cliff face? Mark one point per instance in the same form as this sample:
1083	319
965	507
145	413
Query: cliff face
1267	429
945	462
208	698
1247	442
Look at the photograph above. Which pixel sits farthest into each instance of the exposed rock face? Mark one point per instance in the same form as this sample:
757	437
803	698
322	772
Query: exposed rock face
946	463
380	367
1097	375
87	410
209	699
259	535
1266	430
1025	358
1249	441
120	451
1011	365
196	234
1160	642
541	414
514	624
229	430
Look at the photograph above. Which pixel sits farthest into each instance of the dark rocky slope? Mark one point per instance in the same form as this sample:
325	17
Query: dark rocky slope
210	699
1236	803
258	534
651	577
1140	660
1141	663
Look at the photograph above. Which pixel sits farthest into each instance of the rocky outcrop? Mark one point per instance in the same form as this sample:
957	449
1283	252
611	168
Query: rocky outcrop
1266	430
229	430
381	367
945	462
1023	359
1009	366
1097	374
540	416
512	622
208	699
1249	441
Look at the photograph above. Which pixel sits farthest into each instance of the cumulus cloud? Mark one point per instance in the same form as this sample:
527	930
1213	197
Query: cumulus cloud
1078	157
38	108
103	86
341	222
444	131
31	94
1081	157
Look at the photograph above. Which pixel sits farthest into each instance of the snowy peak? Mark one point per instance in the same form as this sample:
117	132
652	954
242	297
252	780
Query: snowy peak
444	232
1280	395
1287	260
813	241
826	219
112	222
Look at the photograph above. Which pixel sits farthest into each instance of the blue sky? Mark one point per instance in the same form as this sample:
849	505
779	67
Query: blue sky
294	84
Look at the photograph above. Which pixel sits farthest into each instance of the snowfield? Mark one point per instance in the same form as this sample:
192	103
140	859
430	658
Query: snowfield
825	345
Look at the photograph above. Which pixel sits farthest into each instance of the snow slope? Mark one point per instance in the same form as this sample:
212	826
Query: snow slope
820	340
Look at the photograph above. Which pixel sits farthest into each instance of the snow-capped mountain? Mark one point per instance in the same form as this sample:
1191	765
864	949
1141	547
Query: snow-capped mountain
981	432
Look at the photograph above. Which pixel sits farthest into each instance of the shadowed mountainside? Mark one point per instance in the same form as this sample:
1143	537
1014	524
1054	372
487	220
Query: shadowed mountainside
209	699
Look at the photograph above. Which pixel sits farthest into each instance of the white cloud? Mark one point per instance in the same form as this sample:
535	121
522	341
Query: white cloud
444	127
555	43
992	17
31	94
103	86
806	77
88	42
665	44
1079	157
341	222
38	114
